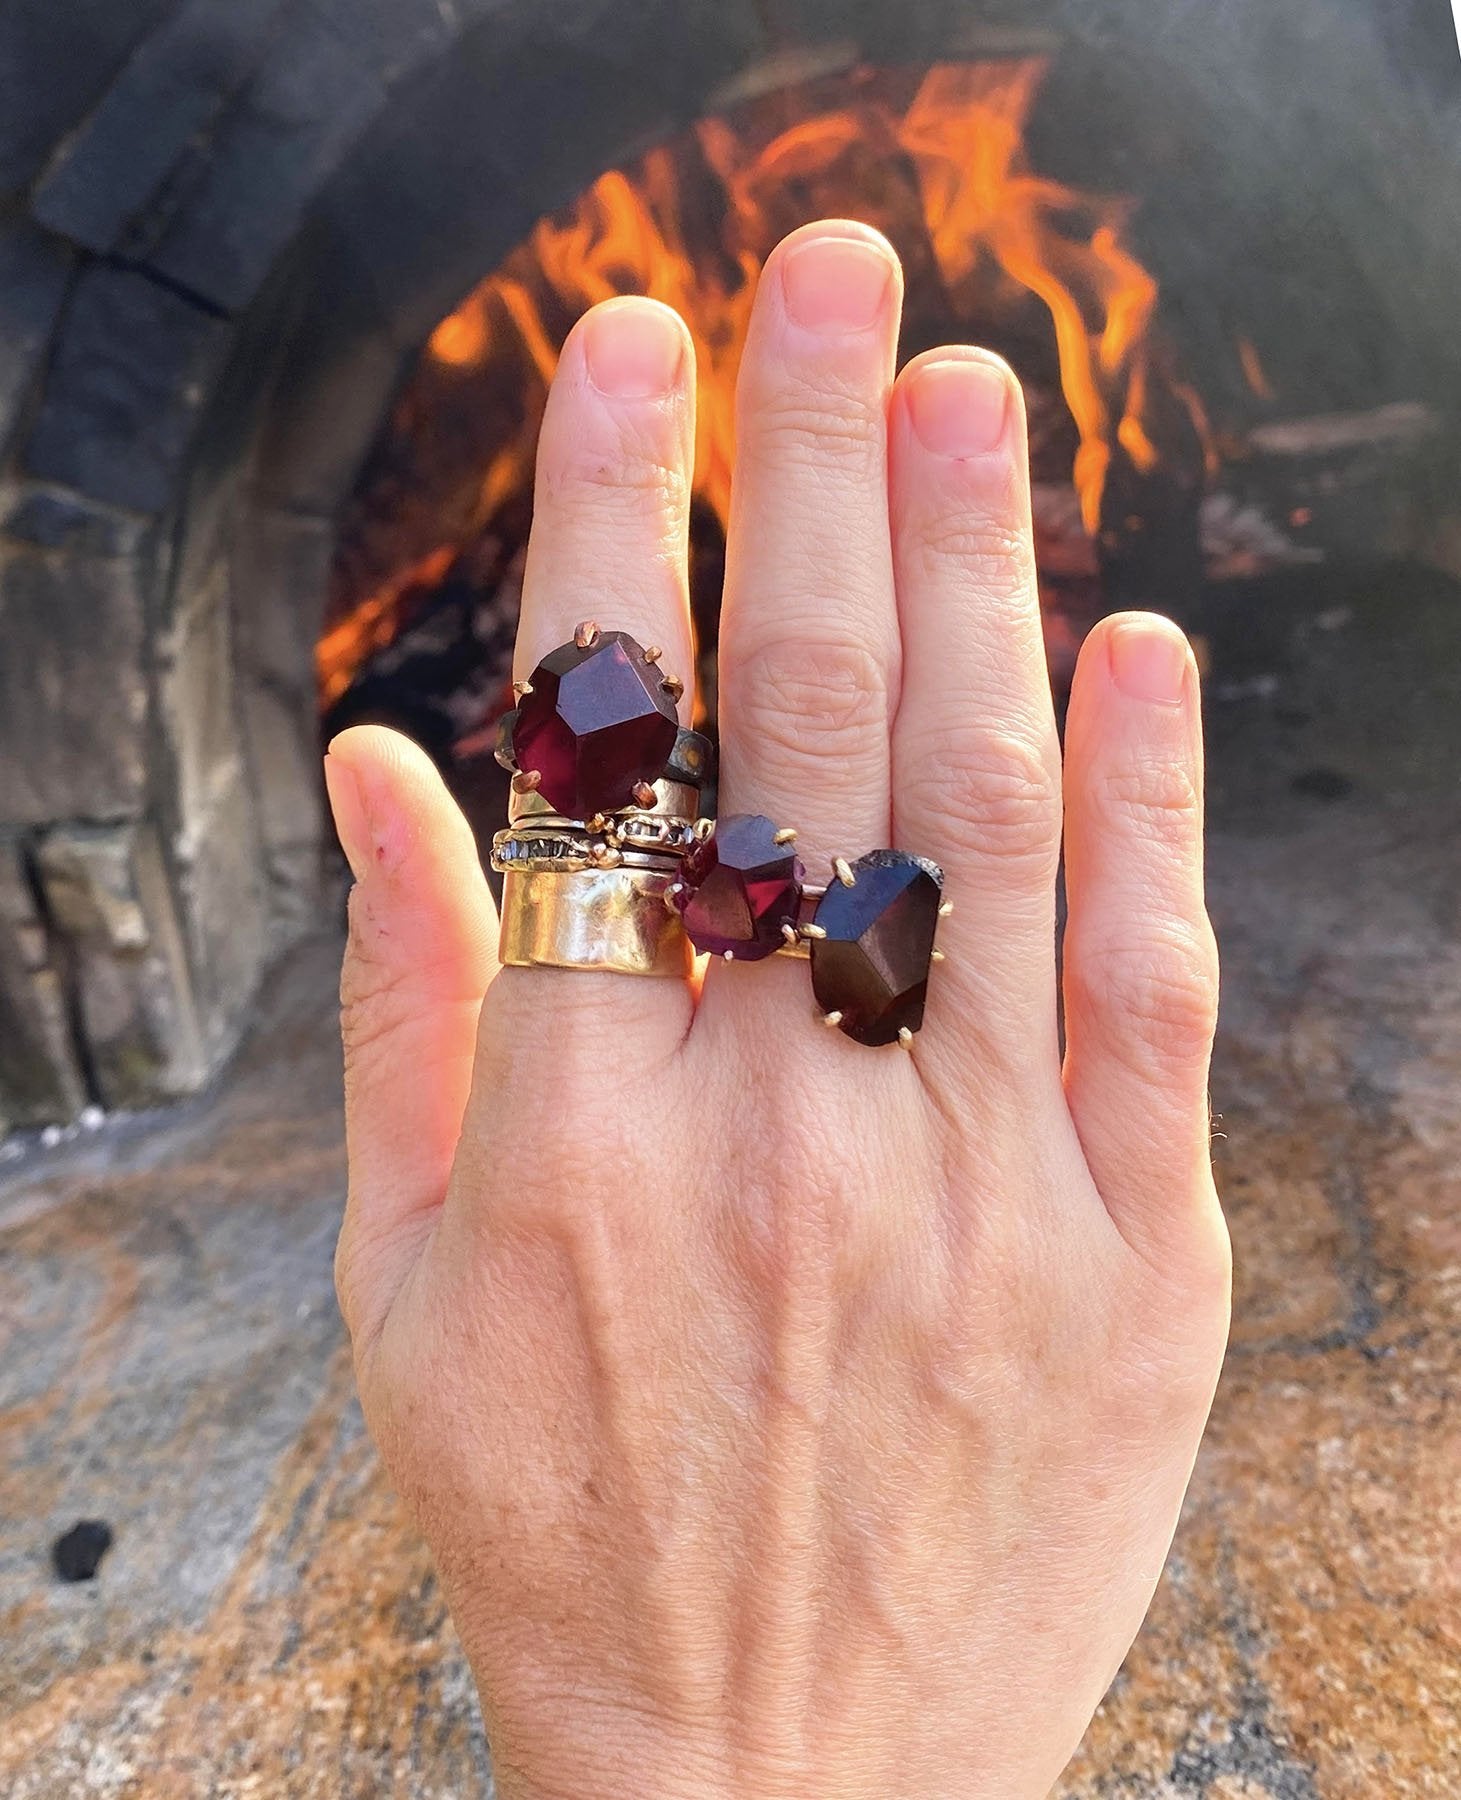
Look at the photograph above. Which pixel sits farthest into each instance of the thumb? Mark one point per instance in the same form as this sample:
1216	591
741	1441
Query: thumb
421	951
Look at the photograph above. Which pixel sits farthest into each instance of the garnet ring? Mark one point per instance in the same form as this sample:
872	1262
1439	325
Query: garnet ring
597	730
605	803
869	934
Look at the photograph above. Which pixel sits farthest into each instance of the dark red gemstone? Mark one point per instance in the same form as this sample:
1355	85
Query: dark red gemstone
739	888
872	966
596	724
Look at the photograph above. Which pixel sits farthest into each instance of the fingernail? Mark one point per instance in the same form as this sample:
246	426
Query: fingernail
352	825
835	284
959	408
1149	662
632	352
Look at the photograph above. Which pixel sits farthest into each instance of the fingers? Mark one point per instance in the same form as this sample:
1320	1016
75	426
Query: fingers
1140	963
976	760
419	958
809	634
611	510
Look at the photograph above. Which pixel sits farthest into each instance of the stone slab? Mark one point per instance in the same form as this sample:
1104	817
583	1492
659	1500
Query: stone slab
58	518
108	894
35	270
40	1081
73	693
224	902
280	573
56	61
250	190
107	172
127	383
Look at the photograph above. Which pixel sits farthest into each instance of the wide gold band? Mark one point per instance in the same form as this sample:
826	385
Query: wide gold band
613	919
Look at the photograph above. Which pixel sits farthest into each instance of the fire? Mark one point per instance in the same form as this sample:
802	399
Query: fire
965	131
939	164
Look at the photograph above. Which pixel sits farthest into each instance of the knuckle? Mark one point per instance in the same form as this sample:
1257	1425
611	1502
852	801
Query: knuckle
996	548
814	696
1158	798
632	475
1157	995
1004	794
801	427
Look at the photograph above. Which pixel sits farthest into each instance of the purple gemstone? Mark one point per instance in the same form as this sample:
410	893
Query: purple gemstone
872	966
740	888
597	723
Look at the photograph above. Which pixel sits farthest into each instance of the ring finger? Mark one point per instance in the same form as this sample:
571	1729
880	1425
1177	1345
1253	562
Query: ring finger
975	749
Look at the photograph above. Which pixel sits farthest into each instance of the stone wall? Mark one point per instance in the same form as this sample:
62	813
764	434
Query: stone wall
224	226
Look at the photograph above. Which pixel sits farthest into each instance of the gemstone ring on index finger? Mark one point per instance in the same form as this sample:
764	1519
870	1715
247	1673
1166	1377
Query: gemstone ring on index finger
605	803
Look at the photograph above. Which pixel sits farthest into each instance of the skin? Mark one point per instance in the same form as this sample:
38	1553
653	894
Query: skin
790	1418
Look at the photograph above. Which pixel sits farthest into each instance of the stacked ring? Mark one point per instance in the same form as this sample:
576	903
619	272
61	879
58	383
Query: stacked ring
605	798
607	865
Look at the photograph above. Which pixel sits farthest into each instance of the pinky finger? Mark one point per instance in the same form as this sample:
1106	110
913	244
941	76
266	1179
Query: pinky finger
1140	975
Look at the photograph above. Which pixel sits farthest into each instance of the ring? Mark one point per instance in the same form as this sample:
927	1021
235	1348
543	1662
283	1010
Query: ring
742	894
593	918
604	807
597	727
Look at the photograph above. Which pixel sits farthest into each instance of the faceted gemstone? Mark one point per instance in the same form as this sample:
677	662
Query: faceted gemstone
739	888
872	966
596	724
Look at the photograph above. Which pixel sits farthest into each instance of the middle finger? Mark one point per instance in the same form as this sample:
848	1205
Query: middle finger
809	652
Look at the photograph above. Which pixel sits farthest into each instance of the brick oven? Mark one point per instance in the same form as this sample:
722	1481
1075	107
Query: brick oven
243	250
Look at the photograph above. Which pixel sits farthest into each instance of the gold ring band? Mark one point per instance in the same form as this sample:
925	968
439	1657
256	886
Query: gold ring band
610	919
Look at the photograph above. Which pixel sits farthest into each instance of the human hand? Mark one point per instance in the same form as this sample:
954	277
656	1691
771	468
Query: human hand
788	1417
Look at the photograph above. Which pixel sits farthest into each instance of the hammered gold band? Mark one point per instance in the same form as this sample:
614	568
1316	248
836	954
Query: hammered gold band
612	919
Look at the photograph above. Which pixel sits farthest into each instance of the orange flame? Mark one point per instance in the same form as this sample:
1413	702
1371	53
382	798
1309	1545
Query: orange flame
965	131
940	165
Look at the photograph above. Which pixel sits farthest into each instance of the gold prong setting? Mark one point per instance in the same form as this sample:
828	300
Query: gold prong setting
643	745
871	944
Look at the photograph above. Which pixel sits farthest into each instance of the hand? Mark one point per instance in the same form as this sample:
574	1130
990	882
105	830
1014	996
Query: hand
788	1417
